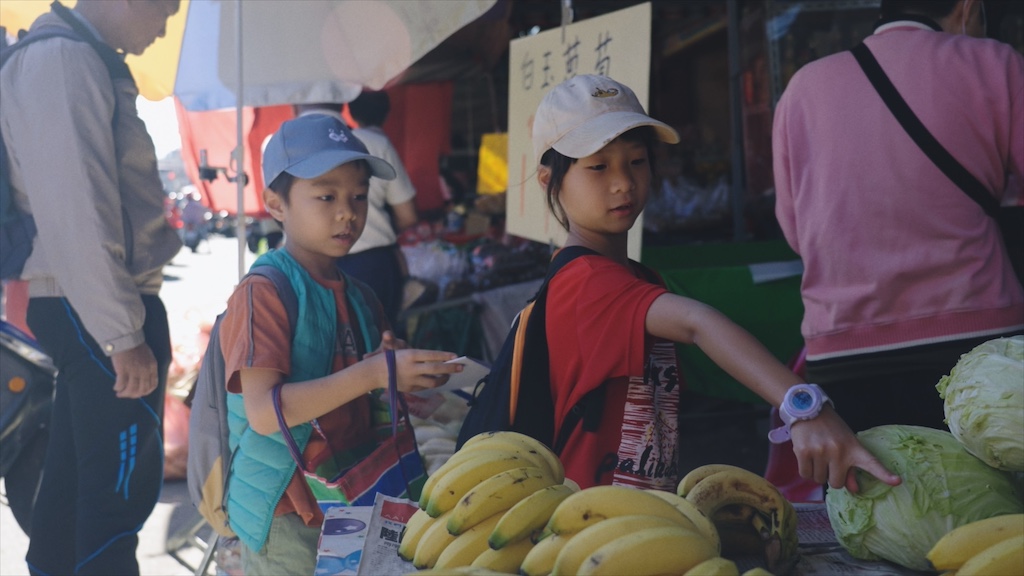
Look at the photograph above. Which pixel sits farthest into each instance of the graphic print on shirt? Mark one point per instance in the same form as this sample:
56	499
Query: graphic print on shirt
345	346
650	432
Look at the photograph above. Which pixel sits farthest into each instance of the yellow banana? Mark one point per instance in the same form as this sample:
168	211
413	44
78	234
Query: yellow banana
591	505
757	571
460	457
412	533
434	540
540	560
777	515
587	541
468	545
497	494
687	482
508	559
703	523
498	439
662	550
460	571
451	487
963	542
528	516
1004	558
716	566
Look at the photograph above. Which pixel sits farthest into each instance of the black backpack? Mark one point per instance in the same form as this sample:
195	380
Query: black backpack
519	377
17	227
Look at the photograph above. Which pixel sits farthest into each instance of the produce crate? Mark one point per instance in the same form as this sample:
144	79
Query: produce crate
720	275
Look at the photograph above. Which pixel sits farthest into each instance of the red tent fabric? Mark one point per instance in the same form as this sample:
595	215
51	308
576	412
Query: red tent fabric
419	126
215	132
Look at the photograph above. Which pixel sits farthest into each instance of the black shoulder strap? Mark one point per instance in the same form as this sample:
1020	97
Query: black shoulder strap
563	257
41	33
111	59
584	406
945	161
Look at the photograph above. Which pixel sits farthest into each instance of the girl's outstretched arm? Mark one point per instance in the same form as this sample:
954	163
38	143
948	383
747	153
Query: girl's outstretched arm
825	447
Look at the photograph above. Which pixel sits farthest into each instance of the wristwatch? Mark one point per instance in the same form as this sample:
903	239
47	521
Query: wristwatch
802	402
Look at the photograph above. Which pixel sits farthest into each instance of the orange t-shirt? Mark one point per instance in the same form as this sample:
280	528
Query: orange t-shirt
255	333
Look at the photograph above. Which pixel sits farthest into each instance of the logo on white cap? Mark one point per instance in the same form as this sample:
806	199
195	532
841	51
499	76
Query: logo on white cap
602	93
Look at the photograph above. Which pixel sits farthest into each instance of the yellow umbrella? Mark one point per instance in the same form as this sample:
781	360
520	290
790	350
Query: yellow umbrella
154	71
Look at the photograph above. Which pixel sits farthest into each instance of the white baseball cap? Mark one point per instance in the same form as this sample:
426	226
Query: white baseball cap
584	113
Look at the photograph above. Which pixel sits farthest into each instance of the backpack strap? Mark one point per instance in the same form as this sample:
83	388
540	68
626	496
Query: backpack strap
589	408
113	60
535	332
284	290
291	306
23	222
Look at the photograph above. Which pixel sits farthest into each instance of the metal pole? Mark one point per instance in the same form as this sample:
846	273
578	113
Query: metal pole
239	153
738	188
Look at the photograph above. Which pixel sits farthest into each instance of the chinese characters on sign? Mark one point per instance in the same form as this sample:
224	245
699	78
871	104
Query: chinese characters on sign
616	45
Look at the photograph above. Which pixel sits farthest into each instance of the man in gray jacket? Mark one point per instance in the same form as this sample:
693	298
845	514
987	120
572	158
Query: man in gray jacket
90	180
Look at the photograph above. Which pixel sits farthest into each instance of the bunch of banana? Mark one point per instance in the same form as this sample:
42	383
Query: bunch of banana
992	547
466	498
480	458
620	530
749	512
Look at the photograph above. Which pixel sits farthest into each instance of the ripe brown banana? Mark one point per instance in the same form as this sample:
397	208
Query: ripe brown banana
774	520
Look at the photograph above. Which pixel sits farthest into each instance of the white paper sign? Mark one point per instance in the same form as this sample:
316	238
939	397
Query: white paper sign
617	45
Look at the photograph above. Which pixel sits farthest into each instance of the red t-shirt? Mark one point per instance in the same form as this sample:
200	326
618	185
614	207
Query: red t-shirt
596	314
255	334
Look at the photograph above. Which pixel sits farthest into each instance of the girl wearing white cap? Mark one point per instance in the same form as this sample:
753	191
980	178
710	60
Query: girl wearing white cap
612	324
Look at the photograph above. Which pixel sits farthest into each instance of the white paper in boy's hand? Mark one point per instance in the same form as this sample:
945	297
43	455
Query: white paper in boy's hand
472	372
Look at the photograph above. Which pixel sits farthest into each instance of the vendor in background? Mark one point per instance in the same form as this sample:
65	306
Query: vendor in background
376	258
903	271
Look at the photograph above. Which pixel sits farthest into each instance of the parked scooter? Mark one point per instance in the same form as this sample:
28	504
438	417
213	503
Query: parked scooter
27	377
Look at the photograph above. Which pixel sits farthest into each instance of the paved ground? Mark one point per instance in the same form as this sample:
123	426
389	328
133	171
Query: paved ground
196	289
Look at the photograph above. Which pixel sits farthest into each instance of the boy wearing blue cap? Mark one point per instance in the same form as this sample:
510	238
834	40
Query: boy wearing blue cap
318	177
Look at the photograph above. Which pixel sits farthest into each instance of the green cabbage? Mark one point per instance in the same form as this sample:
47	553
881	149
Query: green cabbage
984	402
943	487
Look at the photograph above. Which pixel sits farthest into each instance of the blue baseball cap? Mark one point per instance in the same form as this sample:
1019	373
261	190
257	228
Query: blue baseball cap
311	145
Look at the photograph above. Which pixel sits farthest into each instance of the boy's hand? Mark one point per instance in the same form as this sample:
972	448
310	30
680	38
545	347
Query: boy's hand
423	369
388	341
828	451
